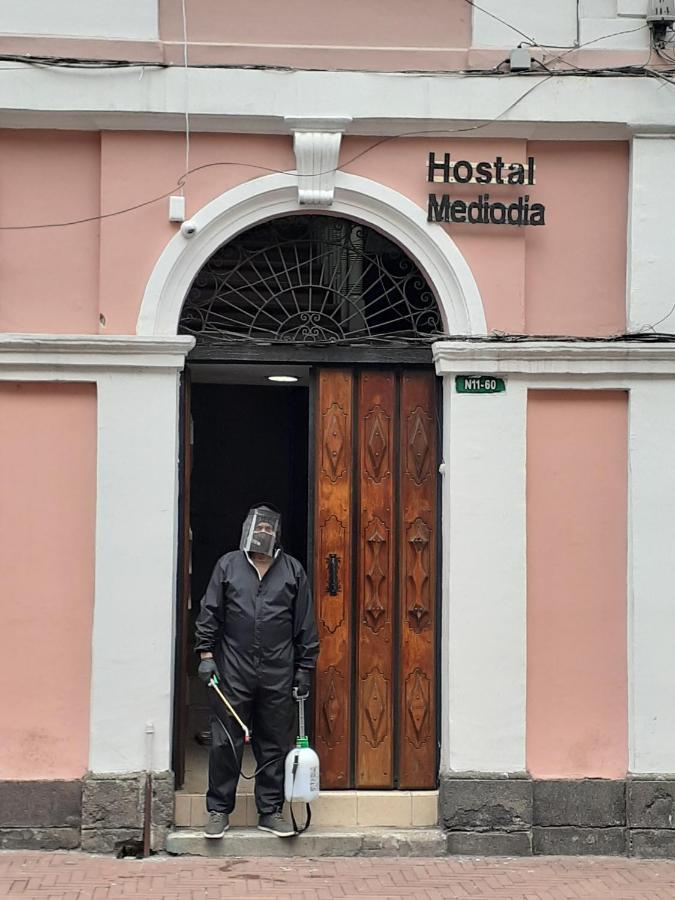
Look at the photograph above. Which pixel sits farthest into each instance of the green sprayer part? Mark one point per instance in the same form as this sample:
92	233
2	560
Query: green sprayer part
302	742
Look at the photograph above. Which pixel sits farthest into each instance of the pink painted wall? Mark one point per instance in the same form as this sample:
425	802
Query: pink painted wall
576	265
565	278
49	277
47	512
350	23
576	572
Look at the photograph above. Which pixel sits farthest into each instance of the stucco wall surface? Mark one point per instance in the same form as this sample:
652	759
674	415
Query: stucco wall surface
47	509
49	276
413	23
577	706
567	277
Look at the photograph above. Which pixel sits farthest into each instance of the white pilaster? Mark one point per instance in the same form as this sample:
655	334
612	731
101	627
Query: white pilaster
650	300
484	579
132	646
651	624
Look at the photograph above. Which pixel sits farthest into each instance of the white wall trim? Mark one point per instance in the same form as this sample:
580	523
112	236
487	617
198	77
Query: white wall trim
45	352
377	102
606	360
271	196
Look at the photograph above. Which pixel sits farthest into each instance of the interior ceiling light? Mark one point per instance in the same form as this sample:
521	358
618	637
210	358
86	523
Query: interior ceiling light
282	379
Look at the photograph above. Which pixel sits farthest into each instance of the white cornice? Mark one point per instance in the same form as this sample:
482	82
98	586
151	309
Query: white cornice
554	358
262	101
74	351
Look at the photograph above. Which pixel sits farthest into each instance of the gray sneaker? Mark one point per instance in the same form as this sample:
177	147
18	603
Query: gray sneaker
275	824
217	825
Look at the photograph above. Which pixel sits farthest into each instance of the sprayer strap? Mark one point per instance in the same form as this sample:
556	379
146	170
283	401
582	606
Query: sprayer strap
307	820
290	805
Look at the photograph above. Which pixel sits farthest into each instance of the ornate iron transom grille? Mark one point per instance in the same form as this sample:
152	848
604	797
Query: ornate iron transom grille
310	279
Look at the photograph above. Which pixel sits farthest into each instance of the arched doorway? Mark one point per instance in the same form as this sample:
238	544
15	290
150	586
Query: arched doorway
353	465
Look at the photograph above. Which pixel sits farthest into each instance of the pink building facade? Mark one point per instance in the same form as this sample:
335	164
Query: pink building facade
549	268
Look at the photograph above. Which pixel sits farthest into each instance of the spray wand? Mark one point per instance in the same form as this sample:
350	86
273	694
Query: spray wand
213	682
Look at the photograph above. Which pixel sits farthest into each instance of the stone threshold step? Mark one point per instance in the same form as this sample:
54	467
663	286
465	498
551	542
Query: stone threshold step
319	841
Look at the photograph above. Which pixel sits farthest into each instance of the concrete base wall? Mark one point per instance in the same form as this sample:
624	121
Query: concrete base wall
100	813
512	815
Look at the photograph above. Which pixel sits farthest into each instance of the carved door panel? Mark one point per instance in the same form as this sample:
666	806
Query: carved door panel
375	585
332	574
374	578
417	582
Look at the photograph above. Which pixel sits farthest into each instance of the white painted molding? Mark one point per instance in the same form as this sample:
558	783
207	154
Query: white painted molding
551	358
257	101
356	198
70	351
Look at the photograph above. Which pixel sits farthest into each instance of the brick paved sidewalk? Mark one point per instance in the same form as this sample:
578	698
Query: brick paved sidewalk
77	876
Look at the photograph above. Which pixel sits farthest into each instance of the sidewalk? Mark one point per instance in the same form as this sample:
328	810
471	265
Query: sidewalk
77	876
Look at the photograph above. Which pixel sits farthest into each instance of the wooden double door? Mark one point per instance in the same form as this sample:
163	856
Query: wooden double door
375	554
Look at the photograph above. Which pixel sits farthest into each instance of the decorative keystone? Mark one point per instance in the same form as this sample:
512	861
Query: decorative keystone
316	144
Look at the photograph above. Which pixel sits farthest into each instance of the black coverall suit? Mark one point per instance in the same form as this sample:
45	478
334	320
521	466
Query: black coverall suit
260	631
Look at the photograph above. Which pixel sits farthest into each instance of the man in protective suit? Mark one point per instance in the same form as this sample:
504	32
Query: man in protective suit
257	634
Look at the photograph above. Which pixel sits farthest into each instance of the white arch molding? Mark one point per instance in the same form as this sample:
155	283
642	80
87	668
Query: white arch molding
271	196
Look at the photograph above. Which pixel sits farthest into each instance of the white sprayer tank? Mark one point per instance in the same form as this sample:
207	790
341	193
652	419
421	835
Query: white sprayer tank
301	782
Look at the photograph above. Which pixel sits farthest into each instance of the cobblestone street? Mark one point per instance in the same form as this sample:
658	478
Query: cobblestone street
76	876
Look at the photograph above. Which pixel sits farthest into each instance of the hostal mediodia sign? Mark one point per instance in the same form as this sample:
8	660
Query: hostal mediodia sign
484	210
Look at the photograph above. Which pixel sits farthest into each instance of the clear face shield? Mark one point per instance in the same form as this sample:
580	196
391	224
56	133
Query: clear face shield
261	531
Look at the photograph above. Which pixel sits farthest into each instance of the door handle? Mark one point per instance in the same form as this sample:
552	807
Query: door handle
333	563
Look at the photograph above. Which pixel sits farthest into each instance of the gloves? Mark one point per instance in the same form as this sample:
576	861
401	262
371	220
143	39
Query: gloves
302	681
207	669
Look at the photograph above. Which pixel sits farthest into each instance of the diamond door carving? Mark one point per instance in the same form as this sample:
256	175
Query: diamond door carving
416	604
377	566
418	446
375	704
332	608
417	704
417	578
333	442
378	442
333	687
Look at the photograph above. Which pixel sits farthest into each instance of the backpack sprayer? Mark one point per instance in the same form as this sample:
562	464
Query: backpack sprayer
301	767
